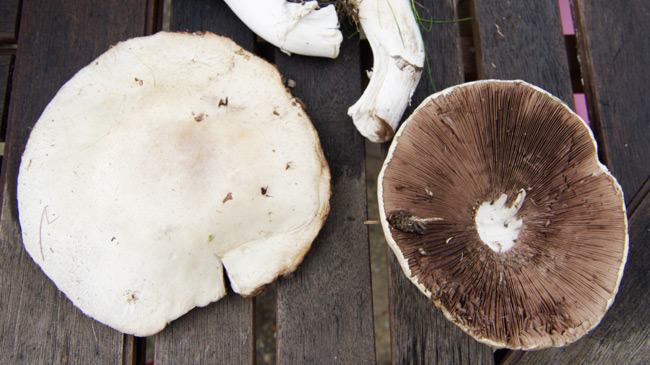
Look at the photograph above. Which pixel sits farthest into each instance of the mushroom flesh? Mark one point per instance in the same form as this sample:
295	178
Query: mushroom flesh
398	59
295	27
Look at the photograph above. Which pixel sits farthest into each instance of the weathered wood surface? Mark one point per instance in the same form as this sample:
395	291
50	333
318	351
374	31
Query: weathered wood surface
38	324
325	310
222	332
522	40
213	16
5	74
615	51
419	332
9	10
614	46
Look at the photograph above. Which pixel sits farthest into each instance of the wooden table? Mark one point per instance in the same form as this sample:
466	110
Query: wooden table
324	313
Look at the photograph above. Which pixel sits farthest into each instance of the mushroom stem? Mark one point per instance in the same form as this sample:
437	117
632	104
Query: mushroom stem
398	53
409	223
295	27
497	224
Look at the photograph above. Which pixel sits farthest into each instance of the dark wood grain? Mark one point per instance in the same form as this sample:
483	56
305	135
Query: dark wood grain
5	64
222	332
522	40
211	15
5	74
325	310
613	44
153	16
38	324
420	334
9	10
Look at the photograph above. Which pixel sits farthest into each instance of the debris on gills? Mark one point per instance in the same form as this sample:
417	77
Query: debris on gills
409	223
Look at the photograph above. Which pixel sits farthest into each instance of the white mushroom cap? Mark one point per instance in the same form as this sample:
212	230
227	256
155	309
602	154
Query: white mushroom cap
164	160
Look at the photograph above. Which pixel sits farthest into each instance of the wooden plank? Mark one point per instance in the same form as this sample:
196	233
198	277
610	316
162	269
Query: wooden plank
5	75
37	324
325	310
9	10
5	69
611	42
614	49
522	40
419	332
153	16
211	15
223	332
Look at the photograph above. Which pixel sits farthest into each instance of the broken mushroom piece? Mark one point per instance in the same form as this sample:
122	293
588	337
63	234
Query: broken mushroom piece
302	27
494	202
398	58
295	27
165	160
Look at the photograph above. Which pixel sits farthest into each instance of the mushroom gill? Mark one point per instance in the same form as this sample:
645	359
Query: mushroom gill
523	154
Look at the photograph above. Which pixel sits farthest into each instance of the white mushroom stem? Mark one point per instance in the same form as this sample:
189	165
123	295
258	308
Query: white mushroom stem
497	224
302	28
398	52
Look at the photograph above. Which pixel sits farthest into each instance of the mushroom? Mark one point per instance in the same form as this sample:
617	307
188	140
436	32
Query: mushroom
166	159
494	202
391	29
295	27
398	58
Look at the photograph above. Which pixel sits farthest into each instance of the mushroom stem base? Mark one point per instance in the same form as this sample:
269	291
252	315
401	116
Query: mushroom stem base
497	224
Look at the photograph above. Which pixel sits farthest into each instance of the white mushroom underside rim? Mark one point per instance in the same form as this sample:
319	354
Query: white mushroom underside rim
165	159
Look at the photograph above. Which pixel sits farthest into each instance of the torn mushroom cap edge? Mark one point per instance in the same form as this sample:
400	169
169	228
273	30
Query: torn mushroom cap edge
320	218
404	263
287	268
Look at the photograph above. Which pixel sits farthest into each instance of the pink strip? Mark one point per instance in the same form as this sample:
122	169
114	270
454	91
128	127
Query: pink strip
581	106
567	20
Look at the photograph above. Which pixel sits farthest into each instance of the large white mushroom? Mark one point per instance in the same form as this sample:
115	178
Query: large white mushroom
165	160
